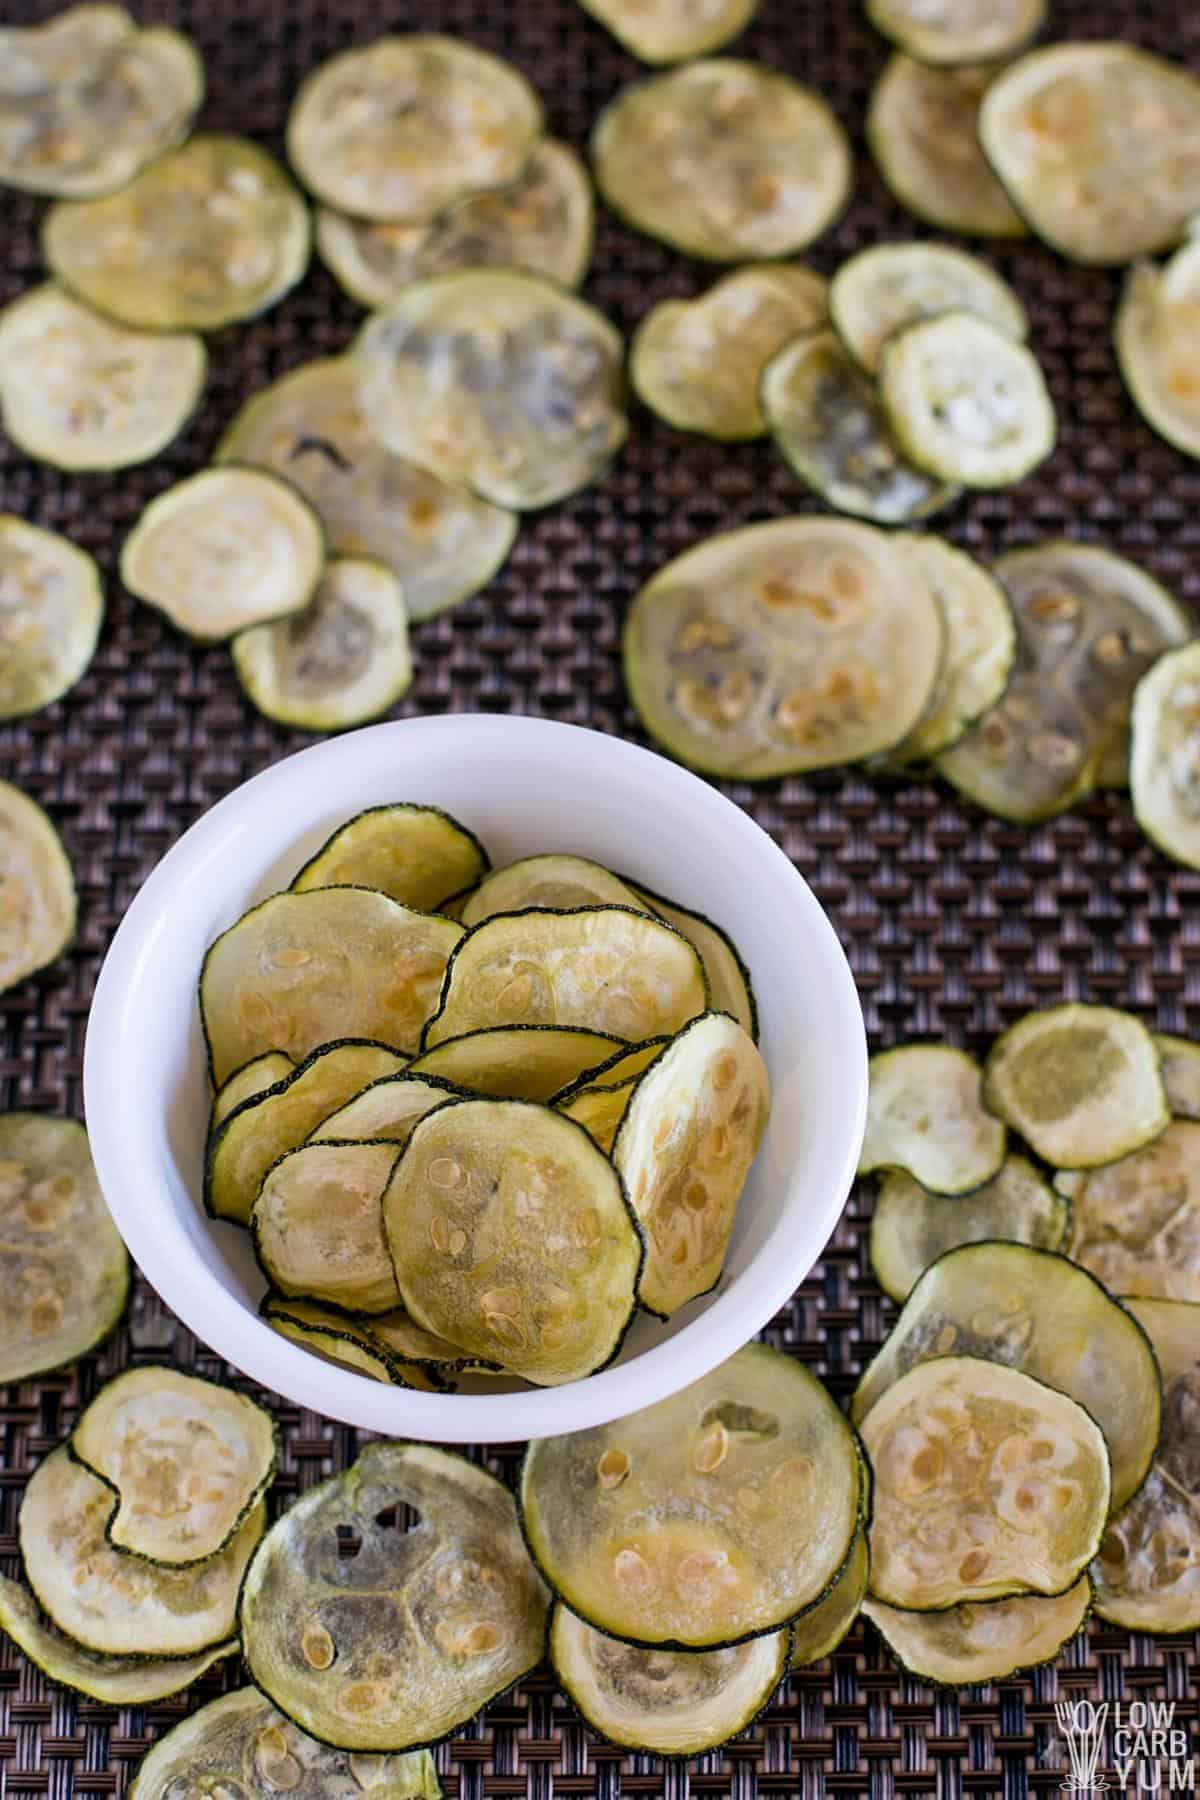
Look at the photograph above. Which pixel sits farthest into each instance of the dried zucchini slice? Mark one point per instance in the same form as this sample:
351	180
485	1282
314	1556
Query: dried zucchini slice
411	1636
1034	1311
1156	341
818	1632
1179	1059
891	286
418	855
828	423
224	550
541	223
298	967
714	1516
547	881
605	968
252	1079
497	380
511	1235
921	126
385	1112
911	1226
698	363
37	889
1166	754
782	647
599	1111
616	1071
926	1115
442	542
51	606
729	985
1136	1222
1081	1084
517	1062
949	32
723	159
317	1228
667	31
402	128
329	1333
969	1644
107	1600
342	661
666	1702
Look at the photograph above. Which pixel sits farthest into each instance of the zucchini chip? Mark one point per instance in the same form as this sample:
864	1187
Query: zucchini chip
246	1083
667	31
498	381
714	1516
409	1637
542	223
926	1115
418	855
616	1071
599	1110
781	647
608	969
318	1232
981	645
557	882
224	550
64	1272
342	661
970	1644
665	1702
698	363
1136	1222
911	1226
891	286
1156	340
517	1062
1034	1311
79	392
921	126
819	1631
188	1459
37	889
729	986
949	32
387	1347
51	606
298	967
511	1235
1165	755
239	1744
210	234
723	159
1179	1060
402	128
107	1600
442	543
385	1112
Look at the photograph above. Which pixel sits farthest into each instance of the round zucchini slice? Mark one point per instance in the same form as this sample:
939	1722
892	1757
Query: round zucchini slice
385	1112
298	970
911	1226
1165	754
667	31
891	286
926	1115
819	1631
51	607
949	32
969	1644
517	1062
665	1702
498	381
401	1642
79	392
212	233
441	542
606	968
1034	1311
714	1516
1136	1222
342	661
541	223
246	1083
402	128
37	889
723	159
1179	1059
557	882
105	1599
921	126
1098	145
781	647
317	1228
224	550
1156	339
511	1235
698	363
418	855
729	986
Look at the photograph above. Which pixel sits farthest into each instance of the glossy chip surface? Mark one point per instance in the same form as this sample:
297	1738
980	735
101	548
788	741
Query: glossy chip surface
516	1062
51	606
418	855
957	31
818	1632
729	984
37	889
318	1231
926	1114
546	881
890	286
252	1079
922	129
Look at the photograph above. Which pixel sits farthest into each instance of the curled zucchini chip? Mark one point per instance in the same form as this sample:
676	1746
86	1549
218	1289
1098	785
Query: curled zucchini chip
819	1631
667	31
891	286
224	550
782	647
37	889
541	223
600	1111
926	1115
51	605
616	1071
402	128
298	967
729	986
1156	340
1166	754
252	1079
511	1235
387	1346
698	363
667	1702
442	542
606	968
385	1112
107	1600
1136	1222
517	1062
547	881
921	126
399	1643
497	380
317	1227
1179	1060
911	1227
1034	1311
972	1643
723	159
418	855
949	32
714	1516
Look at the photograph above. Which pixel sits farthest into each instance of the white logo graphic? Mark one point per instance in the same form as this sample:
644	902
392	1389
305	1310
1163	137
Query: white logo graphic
1082	1725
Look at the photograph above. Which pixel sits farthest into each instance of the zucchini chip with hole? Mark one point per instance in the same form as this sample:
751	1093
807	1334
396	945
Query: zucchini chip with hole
511	1235
891	286
713	1516
37	889
51	607
1165	755
385	1112
1136	1222
354	1342
418	855
818	1632
698	363
921	127
497	380
408	1635
973	1643
443	543
723	159
926	1115
342	661
1034	1311
729	986
517	1062
667	31
107	1600
246	1083
1156	337
781	647
317	1229
559	882
949	32
1179	1059
911	1226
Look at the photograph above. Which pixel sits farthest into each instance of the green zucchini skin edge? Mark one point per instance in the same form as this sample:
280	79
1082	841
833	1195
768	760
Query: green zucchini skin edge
646	893
216	1653
392	806
591	1077
275	1302
325	1144
1018	1669
620	1048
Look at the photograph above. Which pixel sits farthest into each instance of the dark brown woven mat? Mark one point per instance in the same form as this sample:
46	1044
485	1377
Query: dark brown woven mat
954	923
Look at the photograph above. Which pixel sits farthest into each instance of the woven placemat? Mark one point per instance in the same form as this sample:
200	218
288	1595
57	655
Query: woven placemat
954	923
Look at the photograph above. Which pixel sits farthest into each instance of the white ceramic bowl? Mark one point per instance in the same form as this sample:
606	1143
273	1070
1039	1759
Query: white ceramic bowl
524	785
